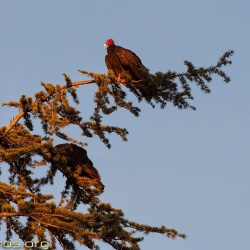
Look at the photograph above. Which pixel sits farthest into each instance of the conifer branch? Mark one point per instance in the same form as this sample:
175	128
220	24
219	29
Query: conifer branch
14	122
22	152
43	99
159	88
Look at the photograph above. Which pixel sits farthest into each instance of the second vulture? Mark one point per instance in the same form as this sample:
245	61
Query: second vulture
123	61
76	159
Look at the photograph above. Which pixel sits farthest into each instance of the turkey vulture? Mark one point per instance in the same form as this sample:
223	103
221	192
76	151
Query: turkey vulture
75	157
121	60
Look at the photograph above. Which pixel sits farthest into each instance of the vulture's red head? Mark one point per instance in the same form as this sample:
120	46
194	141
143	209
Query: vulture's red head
109	42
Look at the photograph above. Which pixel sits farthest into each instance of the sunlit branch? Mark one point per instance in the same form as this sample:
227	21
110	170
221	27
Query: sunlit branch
74	84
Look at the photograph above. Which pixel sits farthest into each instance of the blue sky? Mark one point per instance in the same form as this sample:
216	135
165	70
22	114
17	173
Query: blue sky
185	169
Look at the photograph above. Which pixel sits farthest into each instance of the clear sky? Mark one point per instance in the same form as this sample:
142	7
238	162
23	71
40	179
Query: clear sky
185	169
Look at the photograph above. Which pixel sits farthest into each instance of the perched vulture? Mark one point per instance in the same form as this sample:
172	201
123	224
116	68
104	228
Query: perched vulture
75	157
122	60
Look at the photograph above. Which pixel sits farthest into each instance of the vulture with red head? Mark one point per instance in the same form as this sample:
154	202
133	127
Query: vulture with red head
122	61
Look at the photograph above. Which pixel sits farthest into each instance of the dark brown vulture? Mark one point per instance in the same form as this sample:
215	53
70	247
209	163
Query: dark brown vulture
75	157
122	60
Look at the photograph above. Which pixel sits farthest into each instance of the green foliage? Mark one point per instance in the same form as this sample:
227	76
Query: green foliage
22	153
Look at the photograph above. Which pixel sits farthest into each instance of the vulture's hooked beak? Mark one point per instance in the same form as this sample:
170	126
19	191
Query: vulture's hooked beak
105	45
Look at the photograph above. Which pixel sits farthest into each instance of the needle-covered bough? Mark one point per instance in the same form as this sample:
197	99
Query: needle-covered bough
32	161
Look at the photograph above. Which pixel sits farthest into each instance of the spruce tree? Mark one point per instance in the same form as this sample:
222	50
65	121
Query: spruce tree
33	215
